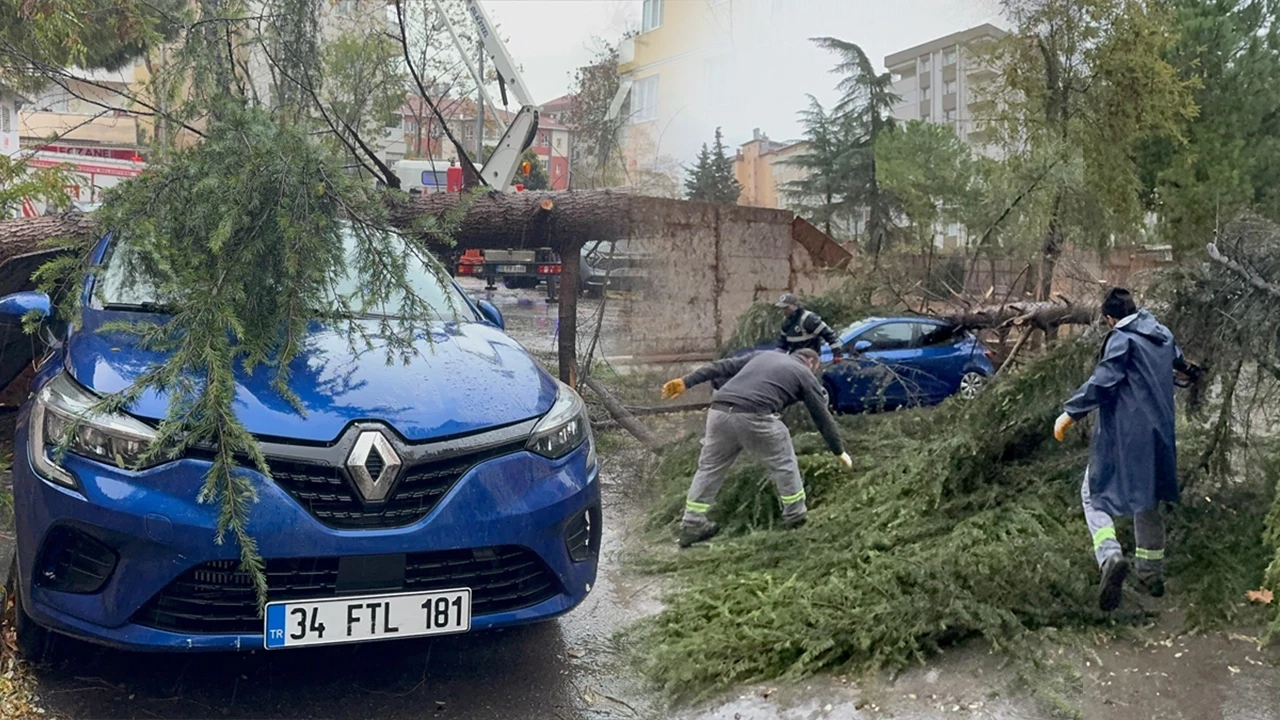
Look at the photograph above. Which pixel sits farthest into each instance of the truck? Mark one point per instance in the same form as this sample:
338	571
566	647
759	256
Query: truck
519	269
428	176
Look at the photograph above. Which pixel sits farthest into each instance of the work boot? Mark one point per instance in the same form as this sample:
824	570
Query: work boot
696	534
1114	570
1152	585
793	523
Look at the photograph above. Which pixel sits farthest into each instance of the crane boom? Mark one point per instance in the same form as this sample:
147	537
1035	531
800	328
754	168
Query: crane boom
498	53
500	167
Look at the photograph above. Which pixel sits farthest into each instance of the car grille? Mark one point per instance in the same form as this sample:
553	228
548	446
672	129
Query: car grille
217	598
328	494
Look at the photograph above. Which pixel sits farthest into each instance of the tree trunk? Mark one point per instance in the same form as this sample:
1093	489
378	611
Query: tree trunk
1042	315
555	219
509	220
570	267
28	235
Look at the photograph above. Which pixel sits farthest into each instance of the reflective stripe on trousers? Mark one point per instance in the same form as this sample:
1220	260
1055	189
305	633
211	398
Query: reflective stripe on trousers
1148	531
763	436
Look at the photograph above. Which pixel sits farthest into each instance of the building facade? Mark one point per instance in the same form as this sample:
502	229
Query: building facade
940	82
669	72
763	168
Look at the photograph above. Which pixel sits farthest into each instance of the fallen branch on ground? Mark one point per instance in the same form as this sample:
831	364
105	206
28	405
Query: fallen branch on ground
624	418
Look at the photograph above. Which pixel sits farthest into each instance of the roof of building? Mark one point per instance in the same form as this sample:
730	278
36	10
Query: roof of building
986	30
768	147
564	101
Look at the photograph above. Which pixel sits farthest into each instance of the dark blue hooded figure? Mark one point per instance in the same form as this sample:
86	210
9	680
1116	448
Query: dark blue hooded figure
1134	461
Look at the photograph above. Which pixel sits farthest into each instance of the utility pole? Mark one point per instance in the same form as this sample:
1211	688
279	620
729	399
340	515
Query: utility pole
480	105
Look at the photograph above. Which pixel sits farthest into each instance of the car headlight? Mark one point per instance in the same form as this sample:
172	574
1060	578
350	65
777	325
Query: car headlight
562	429
62	406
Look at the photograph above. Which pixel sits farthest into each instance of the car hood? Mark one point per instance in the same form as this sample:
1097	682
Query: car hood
464	378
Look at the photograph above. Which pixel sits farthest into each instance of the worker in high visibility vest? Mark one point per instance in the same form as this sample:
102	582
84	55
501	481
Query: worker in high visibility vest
804	329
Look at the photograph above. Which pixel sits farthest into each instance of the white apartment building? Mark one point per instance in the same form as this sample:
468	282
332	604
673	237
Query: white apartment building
940	82
937	81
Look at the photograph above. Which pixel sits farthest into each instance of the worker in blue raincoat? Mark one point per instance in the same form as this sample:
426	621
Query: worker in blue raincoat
1133	464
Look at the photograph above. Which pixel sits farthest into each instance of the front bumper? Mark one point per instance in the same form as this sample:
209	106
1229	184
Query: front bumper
518	504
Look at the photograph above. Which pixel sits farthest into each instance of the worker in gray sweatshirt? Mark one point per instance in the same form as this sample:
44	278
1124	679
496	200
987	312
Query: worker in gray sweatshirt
744	415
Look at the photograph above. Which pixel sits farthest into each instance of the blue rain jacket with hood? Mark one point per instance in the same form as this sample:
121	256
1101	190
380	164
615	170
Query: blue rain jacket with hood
1134	462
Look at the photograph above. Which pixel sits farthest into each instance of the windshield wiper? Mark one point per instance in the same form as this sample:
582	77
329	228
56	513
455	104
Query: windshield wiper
146	306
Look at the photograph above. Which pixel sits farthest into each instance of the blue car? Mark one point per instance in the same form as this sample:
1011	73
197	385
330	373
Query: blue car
455	494
902	362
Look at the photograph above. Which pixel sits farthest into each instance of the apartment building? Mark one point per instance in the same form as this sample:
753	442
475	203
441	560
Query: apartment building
939	81
671	73
763	168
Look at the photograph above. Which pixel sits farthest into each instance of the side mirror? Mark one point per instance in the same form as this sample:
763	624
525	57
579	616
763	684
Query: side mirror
18	305
862	346
491	313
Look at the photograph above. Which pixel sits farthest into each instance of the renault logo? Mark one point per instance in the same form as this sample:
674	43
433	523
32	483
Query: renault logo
373	464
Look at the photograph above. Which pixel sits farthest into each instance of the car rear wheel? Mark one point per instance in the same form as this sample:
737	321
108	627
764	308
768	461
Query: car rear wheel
971	384
34	643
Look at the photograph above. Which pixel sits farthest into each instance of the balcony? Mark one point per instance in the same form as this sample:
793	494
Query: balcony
119	129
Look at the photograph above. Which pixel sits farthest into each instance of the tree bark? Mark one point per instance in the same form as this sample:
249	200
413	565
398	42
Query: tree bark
492	220
625	419
499	221
570	262
28	235
1041	315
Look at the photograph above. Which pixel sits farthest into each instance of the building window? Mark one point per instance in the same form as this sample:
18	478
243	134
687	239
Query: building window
6	120
926	93
651	15
949	115
949	88
644	99
949	57
924	63
55	100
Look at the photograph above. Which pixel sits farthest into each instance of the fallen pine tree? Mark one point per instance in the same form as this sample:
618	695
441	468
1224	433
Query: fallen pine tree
955	523
963	521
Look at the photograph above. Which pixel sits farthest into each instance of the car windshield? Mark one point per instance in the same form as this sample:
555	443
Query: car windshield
119	291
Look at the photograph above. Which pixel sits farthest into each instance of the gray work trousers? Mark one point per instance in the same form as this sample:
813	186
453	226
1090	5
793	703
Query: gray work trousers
1148	531
728	434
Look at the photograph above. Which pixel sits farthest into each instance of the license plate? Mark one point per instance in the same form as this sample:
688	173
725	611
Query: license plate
375	617
512	269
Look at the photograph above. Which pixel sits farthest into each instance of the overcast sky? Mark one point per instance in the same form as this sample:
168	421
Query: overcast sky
551	38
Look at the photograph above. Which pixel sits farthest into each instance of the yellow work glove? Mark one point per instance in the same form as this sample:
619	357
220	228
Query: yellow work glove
673	389
846	460
1060	427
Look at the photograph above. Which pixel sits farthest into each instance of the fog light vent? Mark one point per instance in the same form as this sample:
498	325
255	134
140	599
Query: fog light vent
73	562
582	536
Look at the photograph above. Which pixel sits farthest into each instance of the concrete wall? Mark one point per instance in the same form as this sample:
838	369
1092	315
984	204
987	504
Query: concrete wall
711	263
